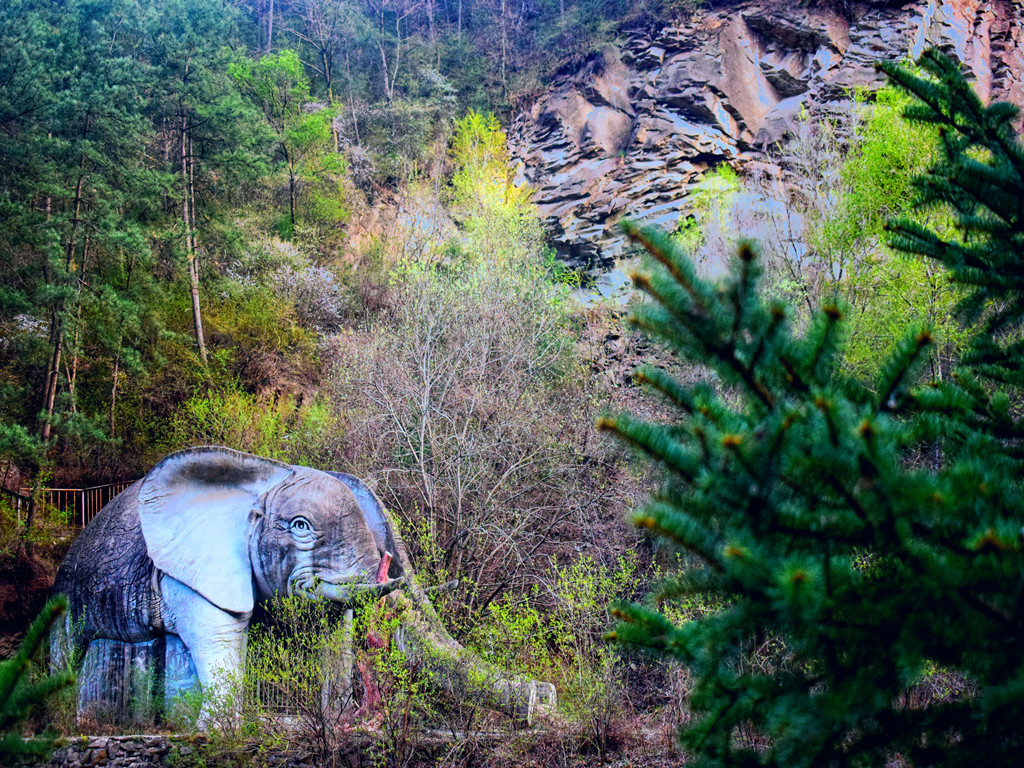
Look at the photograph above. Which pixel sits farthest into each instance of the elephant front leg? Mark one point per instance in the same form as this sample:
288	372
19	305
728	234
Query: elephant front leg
215	639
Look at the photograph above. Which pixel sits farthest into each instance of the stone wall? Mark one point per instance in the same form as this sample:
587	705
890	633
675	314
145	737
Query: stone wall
634	128
116	752
148	751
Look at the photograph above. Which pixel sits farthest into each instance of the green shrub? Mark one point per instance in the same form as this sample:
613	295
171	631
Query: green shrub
300	664
278	427
887	289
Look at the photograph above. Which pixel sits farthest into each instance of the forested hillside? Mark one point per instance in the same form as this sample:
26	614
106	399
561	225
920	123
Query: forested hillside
299	229
270	228
222	171
288	231
160	158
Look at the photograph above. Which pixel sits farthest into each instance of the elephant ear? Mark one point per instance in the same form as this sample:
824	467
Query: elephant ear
194	508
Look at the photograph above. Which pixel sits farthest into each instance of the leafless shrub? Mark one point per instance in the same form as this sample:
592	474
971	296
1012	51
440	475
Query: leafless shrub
784	206
315	293
471	412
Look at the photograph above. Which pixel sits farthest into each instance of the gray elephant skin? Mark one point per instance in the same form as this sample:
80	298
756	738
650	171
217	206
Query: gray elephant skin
192	548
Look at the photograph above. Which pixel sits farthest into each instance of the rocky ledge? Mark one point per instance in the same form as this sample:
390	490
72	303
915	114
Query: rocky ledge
632	130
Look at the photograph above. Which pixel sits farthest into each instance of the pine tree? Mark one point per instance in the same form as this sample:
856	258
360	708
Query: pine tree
872	530
205	126
19	693
76	202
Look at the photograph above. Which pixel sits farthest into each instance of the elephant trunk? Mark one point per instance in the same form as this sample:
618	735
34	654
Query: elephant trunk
422	638
347	593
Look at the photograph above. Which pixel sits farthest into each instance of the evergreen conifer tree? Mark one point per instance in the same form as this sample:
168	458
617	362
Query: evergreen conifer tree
19	693
874	530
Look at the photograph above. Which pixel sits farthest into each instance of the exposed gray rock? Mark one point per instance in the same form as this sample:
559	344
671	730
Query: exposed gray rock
633	130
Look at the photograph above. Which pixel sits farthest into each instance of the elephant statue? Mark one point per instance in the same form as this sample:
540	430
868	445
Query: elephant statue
191	549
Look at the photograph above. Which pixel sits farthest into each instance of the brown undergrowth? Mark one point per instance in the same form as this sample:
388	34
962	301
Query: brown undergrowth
28	566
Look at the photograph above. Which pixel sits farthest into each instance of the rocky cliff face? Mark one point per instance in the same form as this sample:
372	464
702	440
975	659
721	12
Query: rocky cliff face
632	131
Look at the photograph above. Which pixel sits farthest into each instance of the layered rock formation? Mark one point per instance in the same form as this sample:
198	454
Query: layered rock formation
634	129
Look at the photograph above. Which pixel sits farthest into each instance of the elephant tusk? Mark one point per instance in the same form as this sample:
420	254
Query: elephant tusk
382	569
389	586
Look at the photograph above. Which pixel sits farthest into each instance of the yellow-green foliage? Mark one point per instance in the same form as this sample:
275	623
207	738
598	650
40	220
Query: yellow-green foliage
254	334
685	605
50	524
406	694
257	319
709	203
481	160
280	428
498	219
277	84
889	291
298	654
555	632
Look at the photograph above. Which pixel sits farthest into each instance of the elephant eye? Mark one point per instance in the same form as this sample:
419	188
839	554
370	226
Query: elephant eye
301	525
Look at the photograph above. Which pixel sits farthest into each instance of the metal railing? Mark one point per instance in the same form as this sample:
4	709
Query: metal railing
77	506
271	697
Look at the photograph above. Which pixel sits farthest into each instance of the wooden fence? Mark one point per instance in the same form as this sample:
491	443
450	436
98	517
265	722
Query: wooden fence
74	506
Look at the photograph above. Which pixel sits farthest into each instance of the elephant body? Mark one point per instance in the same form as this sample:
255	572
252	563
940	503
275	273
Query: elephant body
190	550
107	575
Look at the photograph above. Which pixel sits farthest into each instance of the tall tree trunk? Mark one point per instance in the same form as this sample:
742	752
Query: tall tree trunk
188	219
398	52
113	389
270	27
117	357
351	99
384	69
291	187
433	34
72	374
504	46
57	318
390	74
192	190
329	80
50	396
25	548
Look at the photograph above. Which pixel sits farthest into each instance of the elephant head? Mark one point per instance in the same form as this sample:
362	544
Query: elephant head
238	529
